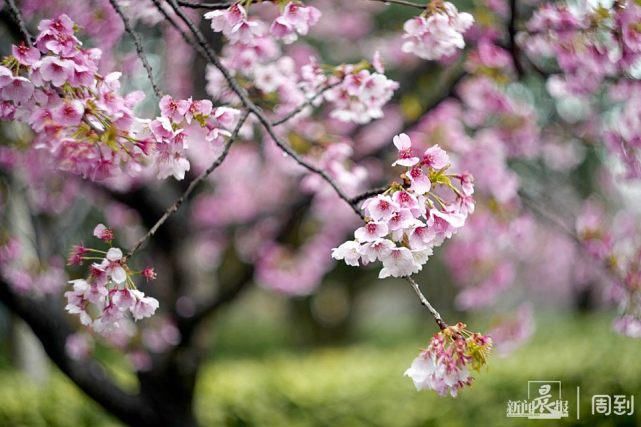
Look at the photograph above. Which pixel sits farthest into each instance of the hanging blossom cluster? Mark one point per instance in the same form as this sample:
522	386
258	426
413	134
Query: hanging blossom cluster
438	32
77	115
254	57
446	363
104	299
405	223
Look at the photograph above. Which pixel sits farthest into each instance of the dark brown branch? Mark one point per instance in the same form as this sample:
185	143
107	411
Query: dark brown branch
513	45
52	329
209	6
228	293
369	193
17	17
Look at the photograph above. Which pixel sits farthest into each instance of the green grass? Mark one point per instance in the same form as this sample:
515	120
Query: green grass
362	385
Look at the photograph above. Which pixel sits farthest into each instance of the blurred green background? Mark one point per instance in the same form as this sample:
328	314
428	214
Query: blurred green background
260	374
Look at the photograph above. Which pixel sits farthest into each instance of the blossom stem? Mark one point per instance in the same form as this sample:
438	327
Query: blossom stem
139	49
192	185
309	102
424	301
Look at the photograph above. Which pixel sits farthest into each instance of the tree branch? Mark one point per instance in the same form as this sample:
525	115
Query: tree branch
437	316
49	325
139	49
302	106
210	6
192	185
255	110
513	46
17	17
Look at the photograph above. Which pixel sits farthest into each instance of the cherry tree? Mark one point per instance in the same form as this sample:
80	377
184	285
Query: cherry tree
170	198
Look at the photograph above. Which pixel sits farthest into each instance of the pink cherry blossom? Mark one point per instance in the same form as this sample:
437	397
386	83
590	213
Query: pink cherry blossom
437	35
69	113
55	70
144	306
403	144
371	231
380	208
421	183
446	363
435	157
296	19
348	251
25	55
399	263
19	90
103	233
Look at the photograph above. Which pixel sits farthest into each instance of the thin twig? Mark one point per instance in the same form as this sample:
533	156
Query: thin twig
174	24
192	185
139	49
369	193
255	110
402	3
210	6
532	204
437	316
17	16
515	51
302	106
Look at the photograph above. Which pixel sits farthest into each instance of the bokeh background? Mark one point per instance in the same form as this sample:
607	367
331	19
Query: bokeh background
335	356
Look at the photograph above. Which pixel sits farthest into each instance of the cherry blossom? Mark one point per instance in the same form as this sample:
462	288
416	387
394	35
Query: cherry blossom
102	300
439	33
446	363
401	230
296	19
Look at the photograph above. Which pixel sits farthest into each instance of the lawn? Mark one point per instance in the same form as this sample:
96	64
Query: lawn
363	385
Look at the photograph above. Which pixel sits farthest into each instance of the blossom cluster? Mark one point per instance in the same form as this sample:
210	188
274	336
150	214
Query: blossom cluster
444	366
590	43
182	123
103	300
357	94
361	94
77	115
594	45
438	32
407	221
233	22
